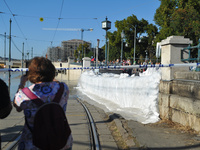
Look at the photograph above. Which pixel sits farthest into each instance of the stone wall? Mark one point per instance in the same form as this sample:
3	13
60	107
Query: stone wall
179	99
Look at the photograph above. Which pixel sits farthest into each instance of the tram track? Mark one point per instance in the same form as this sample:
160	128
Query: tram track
14	144
94	134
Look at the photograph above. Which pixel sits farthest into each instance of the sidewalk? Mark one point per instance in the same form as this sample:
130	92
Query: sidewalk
10	127
162	135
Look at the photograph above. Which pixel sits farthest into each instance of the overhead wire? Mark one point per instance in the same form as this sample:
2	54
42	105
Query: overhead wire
58	22
16	22
47	17
16	46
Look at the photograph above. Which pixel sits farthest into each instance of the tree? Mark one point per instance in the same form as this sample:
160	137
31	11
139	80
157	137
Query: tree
78	53
114	45
178	17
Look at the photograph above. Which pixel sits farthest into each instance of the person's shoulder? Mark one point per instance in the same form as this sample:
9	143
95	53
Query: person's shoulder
58	83
65	85
2	82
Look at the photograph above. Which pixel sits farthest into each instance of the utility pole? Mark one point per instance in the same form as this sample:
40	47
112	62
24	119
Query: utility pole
134	45
108	52
9	56
97	51
5	49
31	52
22	56
122	45
82	42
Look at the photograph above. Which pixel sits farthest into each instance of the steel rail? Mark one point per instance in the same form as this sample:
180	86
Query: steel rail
96	143
13	145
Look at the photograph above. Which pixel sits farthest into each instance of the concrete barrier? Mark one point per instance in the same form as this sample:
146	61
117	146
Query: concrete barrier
68	74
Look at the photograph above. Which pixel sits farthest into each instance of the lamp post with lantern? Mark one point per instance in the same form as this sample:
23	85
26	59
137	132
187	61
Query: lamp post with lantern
122	37
106	25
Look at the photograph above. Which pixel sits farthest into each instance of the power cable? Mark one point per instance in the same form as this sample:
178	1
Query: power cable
16	22
21	15
58	22
16	46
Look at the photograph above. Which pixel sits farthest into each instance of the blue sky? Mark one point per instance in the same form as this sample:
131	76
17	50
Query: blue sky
77	14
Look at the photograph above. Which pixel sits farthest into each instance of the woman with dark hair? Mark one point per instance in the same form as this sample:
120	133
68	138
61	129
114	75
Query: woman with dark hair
41	73
5	106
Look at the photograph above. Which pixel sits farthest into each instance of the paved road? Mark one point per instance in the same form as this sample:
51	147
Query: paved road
11	127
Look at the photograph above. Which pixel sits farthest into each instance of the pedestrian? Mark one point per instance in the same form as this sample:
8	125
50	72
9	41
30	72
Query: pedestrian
41	73
5	106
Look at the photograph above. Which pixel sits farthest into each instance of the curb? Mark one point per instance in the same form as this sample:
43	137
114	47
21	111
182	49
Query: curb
124	133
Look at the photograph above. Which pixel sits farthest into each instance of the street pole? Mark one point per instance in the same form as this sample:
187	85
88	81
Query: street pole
10	43
22	57
97	51
106	50
122	36
134	45
9	56
31	52
82	41
5	49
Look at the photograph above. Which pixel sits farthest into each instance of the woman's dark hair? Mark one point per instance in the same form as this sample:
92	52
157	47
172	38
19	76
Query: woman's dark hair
41	70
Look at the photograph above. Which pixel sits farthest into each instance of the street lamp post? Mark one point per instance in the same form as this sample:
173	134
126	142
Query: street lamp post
78	56
134	44
27	55
5	50
146	54
97	52
9	56
108	51
106	25
22	57
122	36
82	40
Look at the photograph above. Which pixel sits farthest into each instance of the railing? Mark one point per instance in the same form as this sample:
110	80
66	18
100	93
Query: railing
187	51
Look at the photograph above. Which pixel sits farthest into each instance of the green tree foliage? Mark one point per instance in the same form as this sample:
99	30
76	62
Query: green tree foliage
114	46
143	43
178	17
78	54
